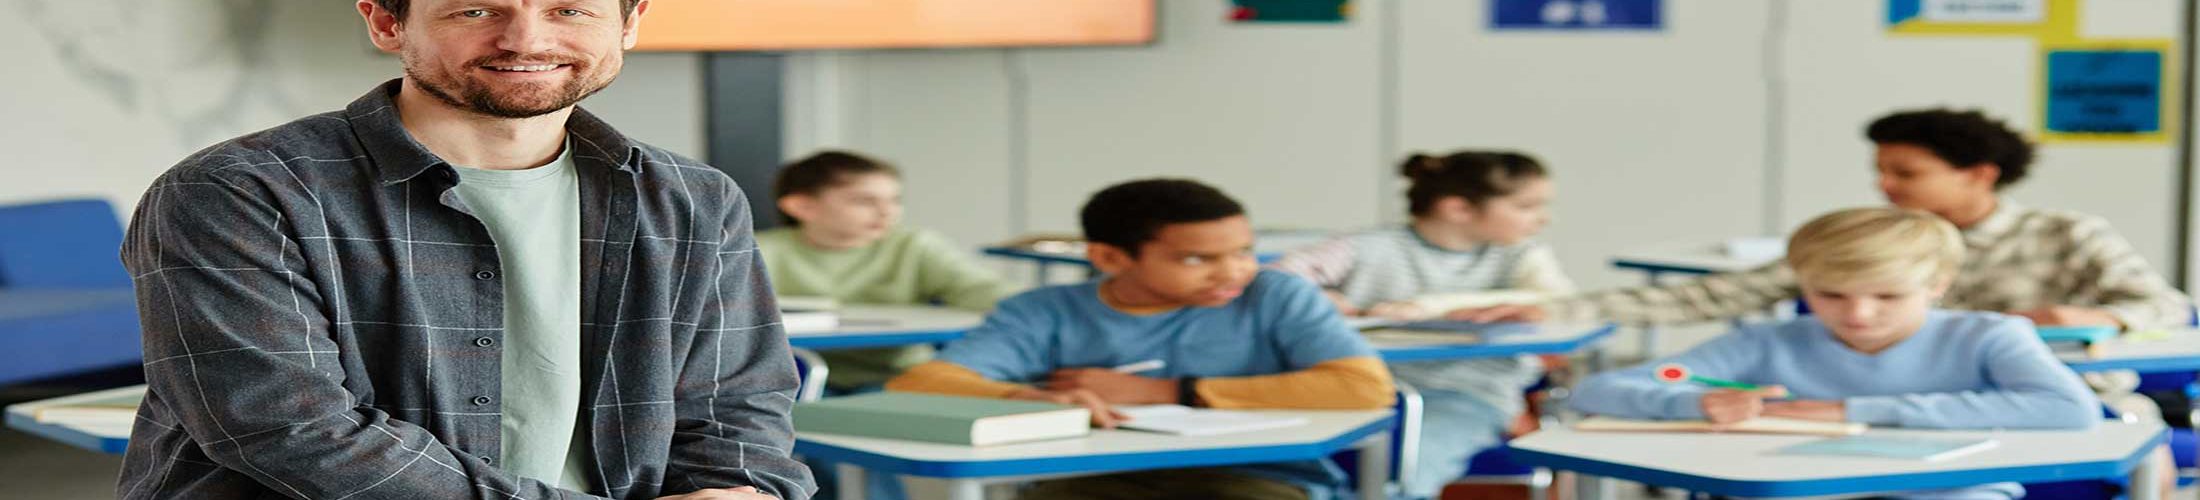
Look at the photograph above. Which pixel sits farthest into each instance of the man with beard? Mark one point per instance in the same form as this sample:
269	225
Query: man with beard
460	286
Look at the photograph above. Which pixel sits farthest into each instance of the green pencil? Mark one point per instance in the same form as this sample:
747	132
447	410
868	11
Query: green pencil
1674	373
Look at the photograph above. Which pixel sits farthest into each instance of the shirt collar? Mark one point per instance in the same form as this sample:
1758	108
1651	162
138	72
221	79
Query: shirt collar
399	158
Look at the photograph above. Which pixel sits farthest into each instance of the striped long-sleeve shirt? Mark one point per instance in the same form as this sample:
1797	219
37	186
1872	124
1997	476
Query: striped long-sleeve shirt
323	320
2018	258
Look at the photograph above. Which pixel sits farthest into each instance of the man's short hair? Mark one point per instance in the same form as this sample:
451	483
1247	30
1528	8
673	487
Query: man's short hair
1874	245
1962	138
1128	215
397	8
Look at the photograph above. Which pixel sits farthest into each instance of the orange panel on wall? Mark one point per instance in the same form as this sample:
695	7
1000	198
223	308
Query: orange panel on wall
829	24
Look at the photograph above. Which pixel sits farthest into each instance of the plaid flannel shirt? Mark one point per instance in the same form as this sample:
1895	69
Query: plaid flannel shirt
322	320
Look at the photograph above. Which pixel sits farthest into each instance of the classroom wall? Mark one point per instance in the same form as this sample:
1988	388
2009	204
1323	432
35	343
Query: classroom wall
104	95
1841	76
1654	136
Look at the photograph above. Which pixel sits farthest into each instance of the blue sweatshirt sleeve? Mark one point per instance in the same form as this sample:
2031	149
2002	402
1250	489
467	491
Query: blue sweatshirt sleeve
2029	389
1637	393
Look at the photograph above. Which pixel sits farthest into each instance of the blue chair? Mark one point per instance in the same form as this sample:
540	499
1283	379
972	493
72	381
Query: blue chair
810	367
2183	443
1405	437
1495	465
66	306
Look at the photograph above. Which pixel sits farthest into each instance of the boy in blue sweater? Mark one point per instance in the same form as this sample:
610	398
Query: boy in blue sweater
1876	352
1183	293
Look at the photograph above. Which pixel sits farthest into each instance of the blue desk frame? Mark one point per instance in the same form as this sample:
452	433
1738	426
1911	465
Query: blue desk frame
897	339
1837	486
1486	350
2141	365
68	436
1116	462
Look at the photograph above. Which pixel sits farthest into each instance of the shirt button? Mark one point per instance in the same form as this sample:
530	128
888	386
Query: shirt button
485	342
488	459
485	275
481	401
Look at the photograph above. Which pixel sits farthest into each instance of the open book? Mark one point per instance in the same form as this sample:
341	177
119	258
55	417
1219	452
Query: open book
1187	421
1759	425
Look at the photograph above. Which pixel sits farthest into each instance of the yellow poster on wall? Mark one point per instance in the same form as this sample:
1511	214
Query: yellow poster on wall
2035	18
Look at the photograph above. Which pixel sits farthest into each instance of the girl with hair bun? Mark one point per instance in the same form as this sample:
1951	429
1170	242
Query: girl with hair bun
1469	243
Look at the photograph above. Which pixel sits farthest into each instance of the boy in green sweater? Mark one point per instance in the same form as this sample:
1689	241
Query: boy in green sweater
842	241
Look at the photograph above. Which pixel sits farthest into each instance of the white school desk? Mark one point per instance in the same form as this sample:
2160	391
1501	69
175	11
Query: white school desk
1502	340
889	326
968	469
1656	261
2180	352
1686	260
1744	465
109	439
861	326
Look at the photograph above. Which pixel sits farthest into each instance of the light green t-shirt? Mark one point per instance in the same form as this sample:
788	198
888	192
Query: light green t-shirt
534	215
903	267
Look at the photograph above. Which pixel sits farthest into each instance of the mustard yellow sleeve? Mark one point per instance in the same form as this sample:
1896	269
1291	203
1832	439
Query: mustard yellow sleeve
1356	383
941	377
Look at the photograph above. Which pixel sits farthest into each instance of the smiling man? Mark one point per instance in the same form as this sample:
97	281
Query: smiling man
460	286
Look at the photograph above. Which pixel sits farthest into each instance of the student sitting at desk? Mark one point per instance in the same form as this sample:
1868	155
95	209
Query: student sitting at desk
1473	212
1182	291
1876	351
842	242
2054	267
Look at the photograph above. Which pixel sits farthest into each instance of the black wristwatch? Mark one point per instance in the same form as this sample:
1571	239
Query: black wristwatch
1187	392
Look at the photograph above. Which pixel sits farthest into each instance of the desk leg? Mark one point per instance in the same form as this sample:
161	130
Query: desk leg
1589	487
1375	467
1039	274
965	489
852	484
1648	343
2146	479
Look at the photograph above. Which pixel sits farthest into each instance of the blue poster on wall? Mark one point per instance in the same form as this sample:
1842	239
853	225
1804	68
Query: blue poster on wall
1622	15
2095	91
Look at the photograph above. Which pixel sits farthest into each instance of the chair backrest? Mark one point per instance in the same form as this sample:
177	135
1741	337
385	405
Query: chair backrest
811	367
61	244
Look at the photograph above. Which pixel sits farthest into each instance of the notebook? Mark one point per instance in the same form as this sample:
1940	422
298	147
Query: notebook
1759	425
1187	421
941	419
1929	449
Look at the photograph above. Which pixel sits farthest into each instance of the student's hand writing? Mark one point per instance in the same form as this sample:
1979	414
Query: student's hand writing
1524	313
1397	311
1829	411
1113	386
1344	306
1103	416
741	493
1727	406
2068	316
